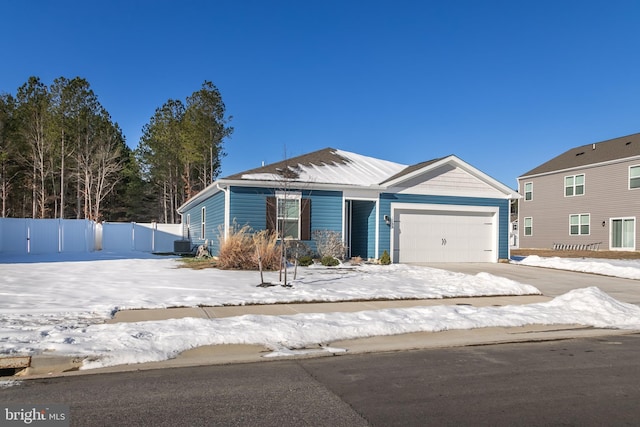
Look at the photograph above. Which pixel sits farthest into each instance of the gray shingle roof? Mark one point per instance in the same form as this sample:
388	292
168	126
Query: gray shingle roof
604	151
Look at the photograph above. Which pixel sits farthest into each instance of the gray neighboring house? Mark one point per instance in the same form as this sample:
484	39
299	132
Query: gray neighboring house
585	198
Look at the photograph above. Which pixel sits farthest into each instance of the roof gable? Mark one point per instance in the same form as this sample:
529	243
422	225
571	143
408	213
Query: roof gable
448	176
590	154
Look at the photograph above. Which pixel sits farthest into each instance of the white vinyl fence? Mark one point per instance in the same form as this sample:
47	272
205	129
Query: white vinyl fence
19	236
143	237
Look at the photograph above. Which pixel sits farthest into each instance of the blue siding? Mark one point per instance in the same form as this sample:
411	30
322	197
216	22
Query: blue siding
326	210
248	206
214	211
503	221
363	229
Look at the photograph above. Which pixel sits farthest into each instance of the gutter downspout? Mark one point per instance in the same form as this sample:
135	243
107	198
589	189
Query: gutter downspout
227	207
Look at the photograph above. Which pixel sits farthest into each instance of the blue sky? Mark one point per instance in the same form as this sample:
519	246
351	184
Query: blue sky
504	85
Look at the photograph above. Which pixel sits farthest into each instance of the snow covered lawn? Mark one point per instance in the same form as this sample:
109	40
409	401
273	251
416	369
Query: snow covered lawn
61	306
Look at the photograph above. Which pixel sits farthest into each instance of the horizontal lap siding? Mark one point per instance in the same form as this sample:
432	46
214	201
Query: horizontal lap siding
326	210
248	206
363	229
385	209
606	195
214	211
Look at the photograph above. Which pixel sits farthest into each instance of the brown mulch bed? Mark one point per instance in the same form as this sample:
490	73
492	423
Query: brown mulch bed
576	254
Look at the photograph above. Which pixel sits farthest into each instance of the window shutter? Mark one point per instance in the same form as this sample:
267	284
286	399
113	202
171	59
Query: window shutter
305	219
271	214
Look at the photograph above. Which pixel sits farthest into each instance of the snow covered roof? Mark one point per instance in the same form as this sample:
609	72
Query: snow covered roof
333	168
326	166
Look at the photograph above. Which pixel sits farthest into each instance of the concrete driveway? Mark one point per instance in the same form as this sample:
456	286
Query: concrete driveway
551	282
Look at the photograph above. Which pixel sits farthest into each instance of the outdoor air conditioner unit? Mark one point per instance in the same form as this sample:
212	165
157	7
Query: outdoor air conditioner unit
181	246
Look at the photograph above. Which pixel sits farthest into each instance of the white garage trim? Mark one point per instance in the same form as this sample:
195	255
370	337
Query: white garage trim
491	213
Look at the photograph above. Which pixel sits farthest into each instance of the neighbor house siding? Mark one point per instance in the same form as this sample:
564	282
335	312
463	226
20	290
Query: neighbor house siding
503	217
606	195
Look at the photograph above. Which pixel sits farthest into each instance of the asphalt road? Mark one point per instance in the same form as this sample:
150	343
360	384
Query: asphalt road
586	382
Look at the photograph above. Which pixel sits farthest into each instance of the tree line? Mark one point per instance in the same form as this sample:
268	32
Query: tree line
63	156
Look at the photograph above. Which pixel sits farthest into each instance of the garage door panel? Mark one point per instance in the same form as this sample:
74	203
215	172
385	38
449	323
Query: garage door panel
443	236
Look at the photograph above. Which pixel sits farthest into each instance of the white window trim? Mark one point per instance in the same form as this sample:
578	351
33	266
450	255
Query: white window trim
289	195
580	233
565	186
629	179
203	222
525	191
524	226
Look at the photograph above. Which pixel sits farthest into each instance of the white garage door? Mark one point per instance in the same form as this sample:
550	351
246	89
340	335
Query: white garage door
444	236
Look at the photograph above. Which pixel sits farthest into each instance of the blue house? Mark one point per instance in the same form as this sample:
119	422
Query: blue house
442	210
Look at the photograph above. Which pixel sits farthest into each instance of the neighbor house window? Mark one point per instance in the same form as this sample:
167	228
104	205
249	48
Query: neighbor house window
634	177
574	185
528	190
188	226
623	231
203	222
528	226
579	224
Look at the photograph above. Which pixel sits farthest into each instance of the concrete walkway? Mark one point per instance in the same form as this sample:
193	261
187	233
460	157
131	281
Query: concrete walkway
328	307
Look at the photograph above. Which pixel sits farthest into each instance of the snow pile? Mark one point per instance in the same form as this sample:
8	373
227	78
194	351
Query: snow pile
627	269
61	307
160	340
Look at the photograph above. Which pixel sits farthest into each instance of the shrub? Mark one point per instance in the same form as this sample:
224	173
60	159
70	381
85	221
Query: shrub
241	249
329	261
329	244
236	250
265	244
297	249
305	260
385	259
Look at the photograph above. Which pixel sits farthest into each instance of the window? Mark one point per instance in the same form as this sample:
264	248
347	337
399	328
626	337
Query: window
623	231
634	177
203	222
289	215
288	220
528	226
579	224
574	185
528	191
